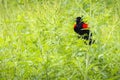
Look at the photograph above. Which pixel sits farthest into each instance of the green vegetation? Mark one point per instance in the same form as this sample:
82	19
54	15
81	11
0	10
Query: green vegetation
37	41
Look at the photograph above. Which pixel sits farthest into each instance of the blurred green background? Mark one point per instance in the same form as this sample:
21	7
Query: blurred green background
37	40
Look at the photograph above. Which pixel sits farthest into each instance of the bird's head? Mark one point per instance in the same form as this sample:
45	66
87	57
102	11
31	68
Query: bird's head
78	20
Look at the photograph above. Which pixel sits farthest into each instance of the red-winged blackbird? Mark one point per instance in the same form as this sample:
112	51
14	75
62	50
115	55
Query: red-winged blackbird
82	29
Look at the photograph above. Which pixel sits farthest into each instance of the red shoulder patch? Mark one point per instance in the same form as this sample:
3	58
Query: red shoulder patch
74	25
84	25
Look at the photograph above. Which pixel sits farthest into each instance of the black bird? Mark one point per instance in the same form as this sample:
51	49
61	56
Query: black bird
81	28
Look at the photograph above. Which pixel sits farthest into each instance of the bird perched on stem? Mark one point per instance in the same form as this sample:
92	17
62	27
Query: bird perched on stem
82	29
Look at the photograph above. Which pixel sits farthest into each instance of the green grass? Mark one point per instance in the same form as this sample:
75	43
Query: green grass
37	40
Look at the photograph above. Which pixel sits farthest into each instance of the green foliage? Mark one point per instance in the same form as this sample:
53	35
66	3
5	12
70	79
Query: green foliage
37	41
